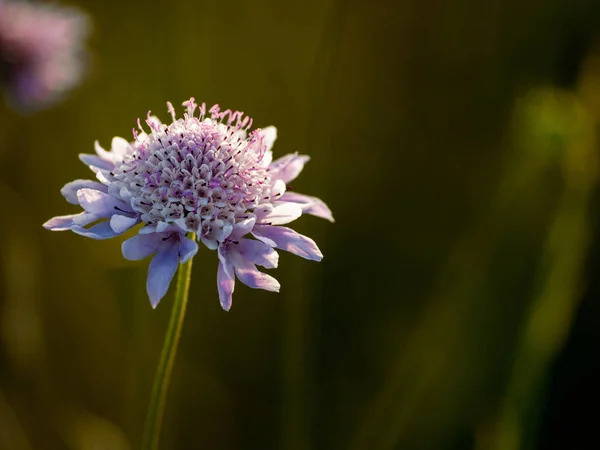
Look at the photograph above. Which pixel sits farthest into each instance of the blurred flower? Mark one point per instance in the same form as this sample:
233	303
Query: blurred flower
41	52
202	175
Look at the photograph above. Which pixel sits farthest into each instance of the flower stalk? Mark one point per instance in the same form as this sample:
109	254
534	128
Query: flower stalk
162	378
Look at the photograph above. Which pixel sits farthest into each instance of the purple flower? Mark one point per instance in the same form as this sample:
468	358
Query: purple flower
41	52
201	175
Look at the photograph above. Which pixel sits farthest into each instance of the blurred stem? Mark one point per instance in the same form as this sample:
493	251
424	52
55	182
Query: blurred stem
549	319
547	325
162	378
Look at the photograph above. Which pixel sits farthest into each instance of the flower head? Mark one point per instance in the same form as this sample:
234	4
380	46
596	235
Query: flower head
41	54
204	175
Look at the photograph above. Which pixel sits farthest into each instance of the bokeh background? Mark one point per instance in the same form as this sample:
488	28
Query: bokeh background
457	306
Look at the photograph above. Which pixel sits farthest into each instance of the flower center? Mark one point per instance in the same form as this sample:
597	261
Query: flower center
203	174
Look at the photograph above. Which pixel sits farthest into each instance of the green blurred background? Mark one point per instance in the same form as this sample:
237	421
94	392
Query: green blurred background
457	303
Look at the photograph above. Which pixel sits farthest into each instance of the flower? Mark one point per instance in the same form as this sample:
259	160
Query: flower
41	52
202	175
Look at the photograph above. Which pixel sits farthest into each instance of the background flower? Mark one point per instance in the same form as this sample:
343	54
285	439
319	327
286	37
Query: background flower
41	51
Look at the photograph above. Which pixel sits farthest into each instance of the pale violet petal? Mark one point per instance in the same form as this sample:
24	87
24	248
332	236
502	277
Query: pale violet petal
225	286
120	147
161	270
224	259
180	224
267	158
242	228
61	223
288	167
85	219
258	252
100	203
96	169
225	232
126	195
148	229
177	226
99	231
269	136
281	162
278	189
102	178
288	240
282	214
141	246
120	223
95	161
187	249
309	205
162	226
248	274
211	244
69	190
103	154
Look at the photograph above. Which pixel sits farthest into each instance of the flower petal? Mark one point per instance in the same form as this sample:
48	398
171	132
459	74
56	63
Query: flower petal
103	154
61	223
95	161
187	249
161	270
121	224
102	178
288	167
175	226
278	189
281	214
242	228
258	252
288	240
310	205
120	147
100	203
102	230
269	136
251	276
141	246
147	229
225	260
172	227
225	286
69	190
211	244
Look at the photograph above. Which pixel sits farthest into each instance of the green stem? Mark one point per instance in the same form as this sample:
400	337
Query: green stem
167	359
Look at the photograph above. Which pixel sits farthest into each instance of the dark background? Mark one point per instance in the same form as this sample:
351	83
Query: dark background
457	306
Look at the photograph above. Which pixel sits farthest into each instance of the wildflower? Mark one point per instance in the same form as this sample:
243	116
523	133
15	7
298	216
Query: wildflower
202	175
41	52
